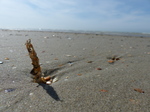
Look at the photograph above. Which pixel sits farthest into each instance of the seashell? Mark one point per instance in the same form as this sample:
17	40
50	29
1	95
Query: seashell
1	62
139	90
6	58
47	78
31	94
48	82
111	61
55	79
68	55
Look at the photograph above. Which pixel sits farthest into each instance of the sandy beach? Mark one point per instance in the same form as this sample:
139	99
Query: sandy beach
88	80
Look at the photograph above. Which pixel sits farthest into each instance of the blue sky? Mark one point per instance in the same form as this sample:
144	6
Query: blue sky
93	15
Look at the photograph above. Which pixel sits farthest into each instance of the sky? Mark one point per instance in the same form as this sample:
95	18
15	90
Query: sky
89	15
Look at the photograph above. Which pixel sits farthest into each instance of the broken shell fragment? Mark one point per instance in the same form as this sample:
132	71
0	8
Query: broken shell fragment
103	90
47	78
48	82
1	62
6	58
139	90
98	69
89	61
68	55
55	79
111	61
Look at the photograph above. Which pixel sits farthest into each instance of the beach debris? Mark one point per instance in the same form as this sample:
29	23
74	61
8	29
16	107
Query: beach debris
98	69
46	37
36	72
30	94
113	59
9	90
70	63
89	61
68	55
49	82
139	90
79	74
103	90
6	58
55	79
1	62
47	78
55	58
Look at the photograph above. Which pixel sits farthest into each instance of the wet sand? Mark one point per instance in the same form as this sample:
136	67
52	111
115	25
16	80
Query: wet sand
86	81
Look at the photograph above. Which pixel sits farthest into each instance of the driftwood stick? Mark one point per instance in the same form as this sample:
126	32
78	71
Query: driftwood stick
36	71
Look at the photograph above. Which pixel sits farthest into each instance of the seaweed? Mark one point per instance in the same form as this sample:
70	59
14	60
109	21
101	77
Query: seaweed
36	72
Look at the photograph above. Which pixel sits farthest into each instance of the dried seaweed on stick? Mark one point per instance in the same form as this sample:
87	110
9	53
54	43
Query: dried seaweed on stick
38	76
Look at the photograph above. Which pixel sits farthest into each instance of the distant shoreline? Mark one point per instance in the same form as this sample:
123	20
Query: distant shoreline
128	34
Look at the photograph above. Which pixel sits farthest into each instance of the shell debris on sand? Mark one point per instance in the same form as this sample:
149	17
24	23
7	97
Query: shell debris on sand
55	79
6	58
48	82
52	81
1	62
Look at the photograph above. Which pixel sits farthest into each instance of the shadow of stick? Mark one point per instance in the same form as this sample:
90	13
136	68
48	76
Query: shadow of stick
50	90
